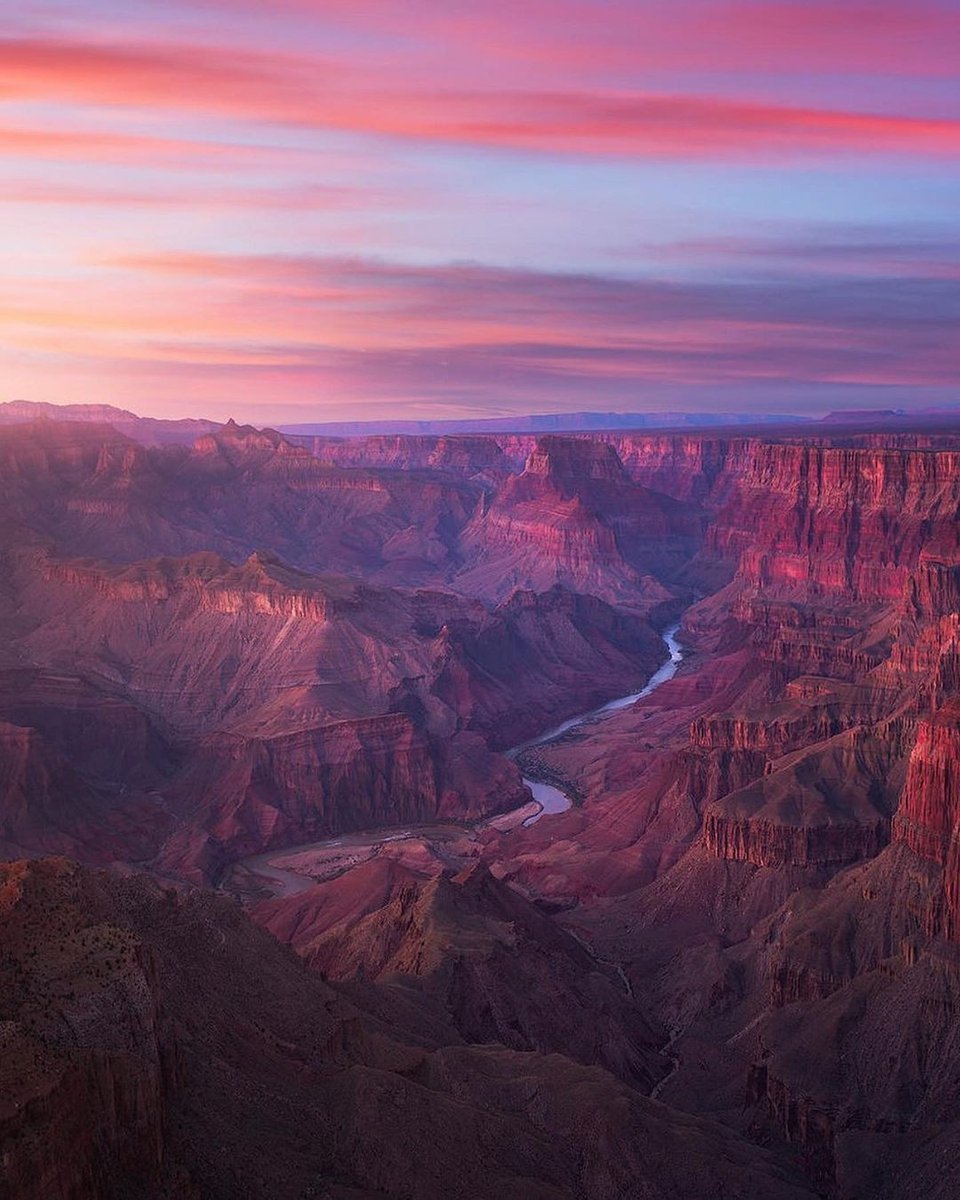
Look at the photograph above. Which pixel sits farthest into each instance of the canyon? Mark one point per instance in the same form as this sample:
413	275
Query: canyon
281	915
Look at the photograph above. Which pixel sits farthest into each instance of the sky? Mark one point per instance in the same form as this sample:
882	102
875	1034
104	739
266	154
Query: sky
308	210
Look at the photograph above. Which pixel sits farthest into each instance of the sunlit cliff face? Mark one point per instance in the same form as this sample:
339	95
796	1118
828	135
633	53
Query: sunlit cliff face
304	209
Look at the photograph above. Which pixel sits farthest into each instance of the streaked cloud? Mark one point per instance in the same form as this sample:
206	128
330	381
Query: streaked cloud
321	93
267	205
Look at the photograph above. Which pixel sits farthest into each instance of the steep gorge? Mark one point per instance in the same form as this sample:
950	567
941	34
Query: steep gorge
752	909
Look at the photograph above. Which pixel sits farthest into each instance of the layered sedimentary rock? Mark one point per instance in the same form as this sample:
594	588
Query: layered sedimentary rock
803	961
929	809
813	525
833	587
214	710
838	616
491	964
572	516
268	642
46	806
97	493
241	796
288	648
928	818
822	806
465	456
855	1058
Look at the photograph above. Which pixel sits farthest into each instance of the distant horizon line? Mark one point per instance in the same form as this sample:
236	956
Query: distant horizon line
585	420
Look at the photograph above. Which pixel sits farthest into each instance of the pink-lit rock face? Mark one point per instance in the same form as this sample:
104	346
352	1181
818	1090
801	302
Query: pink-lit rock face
930	805
928	819
844	522
573	516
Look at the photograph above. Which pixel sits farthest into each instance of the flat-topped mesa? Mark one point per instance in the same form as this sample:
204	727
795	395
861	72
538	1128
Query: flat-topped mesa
563	470
821	806
572	460
465	455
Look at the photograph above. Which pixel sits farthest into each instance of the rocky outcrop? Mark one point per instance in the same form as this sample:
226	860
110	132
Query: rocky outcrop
158	1044
855	519
823	806
928	818
857	1057
288	647
843	555
569	645
929	810
44	804
241	796
87	1060
495	967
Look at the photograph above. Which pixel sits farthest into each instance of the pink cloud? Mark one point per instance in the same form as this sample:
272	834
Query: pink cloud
900	37
322	94
375	329
85	146
295	197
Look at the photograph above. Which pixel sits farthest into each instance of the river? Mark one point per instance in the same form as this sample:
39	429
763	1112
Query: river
550	799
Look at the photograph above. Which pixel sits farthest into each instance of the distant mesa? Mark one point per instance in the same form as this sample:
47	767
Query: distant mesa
542	423
149	431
